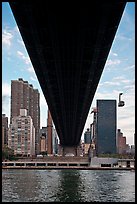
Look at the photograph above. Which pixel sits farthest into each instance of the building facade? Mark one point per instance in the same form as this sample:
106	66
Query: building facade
87	141
43	145
5	129
106	127
87	136
122	146
2	137
24	96
43	140
54	141
49	134
21	135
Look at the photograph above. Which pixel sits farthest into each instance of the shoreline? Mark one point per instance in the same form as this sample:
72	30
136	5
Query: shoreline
72	168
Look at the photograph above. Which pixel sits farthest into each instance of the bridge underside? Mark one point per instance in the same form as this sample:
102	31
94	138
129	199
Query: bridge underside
68	46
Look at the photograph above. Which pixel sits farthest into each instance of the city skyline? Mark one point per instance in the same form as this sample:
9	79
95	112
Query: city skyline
118	75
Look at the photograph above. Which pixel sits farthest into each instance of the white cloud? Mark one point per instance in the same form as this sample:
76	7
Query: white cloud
20	42
27	61
113	53
33	79
131	67
42	99
16	29
125	81
7	38
112	62
130	87
22	56
30	69
116	81
6	89
118	78
6	92
111	83
122	37
120	81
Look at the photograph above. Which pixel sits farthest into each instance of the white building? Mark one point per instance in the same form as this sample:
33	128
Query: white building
21	134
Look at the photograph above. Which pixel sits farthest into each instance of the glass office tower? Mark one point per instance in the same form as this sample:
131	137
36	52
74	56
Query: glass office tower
106	127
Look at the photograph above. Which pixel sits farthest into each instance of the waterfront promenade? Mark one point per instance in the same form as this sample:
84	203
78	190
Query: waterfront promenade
69	163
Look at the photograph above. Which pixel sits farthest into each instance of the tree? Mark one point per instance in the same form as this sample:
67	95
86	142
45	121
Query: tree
7	153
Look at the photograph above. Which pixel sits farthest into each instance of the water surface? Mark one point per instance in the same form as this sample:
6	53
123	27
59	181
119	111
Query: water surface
68	186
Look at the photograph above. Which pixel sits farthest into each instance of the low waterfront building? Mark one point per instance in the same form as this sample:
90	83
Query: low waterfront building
103	162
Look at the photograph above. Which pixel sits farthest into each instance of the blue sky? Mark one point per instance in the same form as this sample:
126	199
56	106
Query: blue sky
118	74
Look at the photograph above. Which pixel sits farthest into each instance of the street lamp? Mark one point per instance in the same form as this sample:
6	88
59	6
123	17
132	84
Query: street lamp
121	103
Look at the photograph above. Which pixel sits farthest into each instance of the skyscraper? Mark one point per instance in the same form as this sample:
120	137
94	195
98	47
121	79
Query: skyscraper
106	127
5	129
23	96
49	133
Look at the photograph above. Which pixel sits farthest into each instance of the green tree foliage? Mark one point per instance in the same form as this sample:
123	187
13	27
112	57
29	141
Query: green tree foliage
7	153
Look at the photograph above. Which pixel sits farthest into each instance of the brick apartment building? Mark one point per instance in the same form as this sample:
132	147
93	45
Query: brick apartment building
24	96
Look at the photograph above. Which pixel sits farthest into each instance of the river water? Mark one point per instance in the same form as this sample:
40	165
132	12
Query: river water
68	186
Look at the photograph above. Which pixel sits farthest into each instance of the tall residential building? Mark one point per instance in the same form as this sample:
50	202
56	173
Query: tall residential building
21	135
23	95
106	127
5	126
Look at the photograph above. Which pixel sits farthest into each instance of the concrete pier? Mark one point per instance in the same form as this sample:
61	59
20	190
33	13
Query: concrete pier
70	163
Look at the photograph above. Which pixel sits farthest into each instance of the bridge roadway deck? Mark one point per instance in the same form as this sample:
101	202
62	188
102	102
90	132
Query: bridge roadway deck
68	46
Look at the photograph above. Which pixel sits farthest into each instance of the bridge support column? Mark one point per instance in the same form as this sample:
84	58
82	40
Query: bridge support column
69	151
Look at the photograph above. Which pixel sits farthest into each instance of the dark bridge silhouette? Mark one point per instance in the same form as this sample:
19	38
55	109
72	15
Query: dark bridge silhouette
68	45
